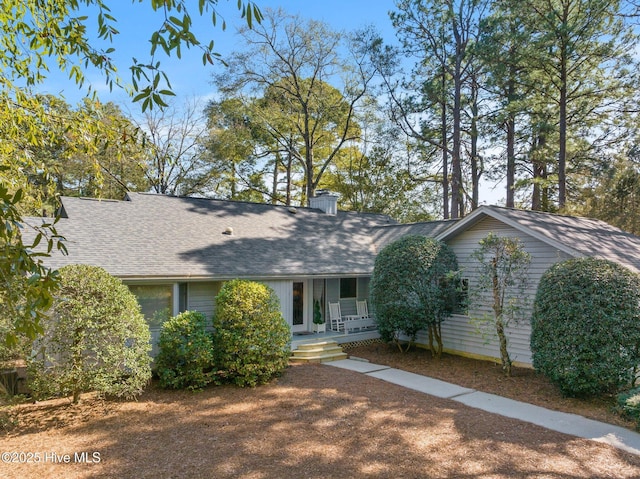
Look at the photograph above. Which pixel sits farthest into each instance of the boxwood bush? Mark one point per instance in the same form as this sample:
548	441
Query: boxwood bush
185	356
251	339
586	326
412	289
628	405
95	338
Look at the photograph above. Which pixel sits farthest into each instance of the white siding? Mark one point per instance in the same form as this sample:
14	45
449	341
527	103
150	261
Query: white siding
284	291
459	333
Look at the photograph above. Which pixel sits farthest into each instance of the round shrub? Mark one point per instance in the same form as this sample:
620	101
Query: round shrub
586	326
185	354
412	288
251	339
95	338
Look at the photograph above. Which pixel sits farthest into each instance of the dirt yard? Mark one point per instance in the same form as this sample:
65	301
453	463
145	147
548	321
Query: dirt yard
315	421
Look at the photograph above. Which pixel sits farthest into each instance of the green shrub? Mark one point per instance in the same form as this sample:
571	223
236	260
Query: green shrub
95	338
628	405
251	339
185	354
19	346
586	326
411	289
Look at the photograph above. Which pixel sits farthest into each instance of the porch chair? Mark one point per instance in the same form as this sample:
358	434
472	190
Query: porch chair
335	317
362	309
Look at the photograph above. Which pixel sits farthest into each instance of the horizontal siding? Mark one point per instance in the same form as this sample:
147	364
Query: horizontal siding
348	305
460	333
201	297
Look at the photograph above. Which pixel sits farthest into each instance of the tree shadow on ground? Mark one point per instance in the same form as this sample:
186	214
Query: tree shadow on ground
317	422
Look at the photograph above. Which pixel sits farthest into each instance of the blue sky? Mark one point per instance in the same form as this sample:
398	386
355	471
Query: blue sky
188	76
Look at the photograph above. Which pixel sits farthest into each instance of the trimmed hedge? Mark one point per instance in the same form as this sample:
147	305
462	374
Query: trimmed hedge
411	288
586	326
251	339
186	352
95	339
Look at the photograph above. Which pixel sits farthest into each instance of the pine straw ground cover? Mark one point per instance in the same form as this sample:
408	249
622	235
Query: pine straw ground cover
315	421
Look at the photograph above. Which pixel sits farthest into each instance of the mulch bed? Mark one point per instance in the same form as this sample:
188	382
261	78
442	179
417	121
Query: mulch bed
315	421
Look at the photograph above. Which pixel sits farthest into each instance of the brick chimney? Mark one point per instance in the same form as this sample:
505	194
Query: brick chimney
325	201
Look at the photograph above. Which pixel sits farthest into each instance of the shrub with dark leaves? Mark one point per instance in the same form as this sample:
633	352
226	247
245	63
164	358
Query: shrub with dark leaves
586	326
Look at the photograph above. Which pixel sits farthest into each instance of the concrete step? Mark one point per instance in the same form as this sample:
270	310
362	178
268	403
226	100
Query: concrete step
318	352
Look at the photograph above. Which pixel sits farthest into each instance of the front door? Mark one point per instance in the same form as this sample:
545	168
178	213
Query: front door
299	312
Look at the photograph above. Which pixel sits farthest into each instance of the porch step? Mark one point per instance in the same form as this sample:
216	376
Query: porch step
318	352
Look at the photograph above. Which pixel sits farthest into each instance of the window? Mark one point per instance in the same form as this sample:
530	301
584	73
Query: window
348	288
182	297
461	303
457	299
298	304
156	302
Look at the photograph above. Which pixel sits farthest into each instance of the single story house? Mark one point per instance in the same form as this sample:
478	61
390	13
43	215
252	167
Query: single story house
175	253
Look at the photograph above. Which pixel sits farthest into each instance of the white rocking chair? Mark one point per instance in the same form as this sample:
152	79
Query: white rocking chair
362	309
335	317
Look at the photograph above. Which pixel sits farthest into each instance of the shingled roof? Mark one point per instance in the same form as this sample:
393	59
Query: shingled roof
156	236
576	236
383	235
162	237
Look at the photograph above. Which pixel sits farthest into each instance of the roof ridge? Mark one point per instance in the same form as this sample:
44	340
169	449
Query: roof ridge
266	205
545	213
415	223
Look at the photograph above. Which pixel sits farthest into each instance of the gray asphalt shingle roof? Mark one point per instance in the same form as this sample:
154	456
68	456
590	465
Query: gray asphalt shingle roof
155	236
383	235
176	237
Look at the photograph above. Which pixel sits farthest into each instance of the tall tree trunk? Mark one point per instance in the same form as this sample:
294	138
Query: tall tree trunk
539	197
511	139
511	121
511	161
445	151
457	202
456	165
476	169
288	167
274	184
562	150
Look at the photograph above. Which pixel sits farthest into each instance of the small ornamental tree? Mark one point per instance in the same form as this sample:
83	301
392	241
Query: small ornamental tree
317	313
585	328
95	338
185	358
411	289
503	267
251	339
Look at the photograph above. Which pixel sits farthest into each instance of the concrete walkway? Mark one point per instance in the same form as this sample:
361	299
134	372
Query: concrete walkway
557	421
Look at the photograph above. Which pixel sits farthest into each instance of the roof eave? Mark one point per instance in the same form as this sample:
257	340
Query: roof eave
256	277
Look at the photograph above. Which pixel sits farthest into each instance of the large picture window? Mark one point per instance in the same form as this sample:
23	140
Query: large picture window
348	288
156	302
